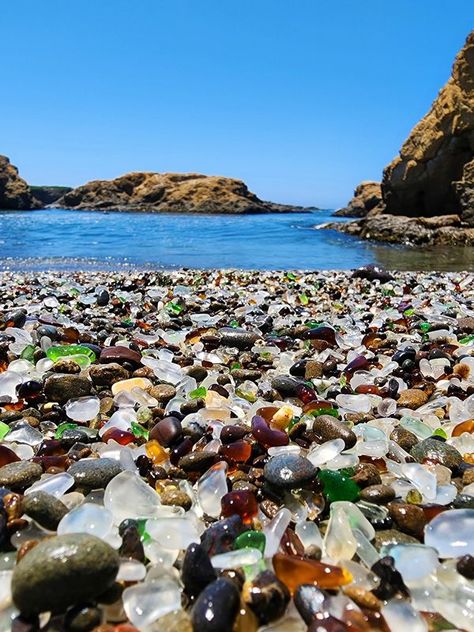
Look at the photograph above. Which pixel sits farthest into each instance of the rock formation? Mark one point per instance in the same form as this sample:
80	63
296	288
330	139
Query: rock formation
15	194
367	198
434	173
47	195
169	193
433	177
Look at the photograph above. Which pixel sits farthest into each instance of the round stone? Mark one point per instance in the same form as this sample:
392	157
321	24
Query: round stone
217	607
45	509
19	475
163	392
289	471
378	494
167	431
61	388
327	427
437	452
197	571
94	473
62	571
107	374
236	337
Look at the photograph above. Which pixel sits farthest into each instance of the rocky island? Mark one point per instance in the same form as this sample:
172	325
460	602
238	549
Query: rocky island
140	192
169	193
427	192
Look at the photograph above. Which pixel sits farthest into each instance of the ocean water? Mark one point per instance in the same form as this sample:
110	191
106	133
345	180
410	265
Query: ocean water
62	239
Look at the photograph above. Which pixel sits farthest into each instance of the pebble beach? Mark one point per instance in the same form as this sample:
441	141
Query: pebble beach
241	451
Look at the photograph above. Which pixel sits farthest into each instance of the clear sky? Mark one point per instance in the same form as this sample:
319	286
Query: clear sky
302	99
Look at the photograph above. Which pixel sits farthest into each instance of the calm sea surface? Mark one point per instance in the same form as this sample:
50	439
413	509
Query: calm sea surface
60	239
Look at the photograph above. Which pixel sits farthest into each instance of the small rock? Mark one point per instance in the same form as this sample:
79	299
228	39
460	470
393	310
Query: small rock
82	619
94	473
217	607
285	385
466	324
199	373
45	509
19	475
246	374
163	392
61	388
308	600
435	451
107	374
412	398
236	337
267	596
366	474
197	461
176	497
377	494
197	571
62	571
167	431
409	518
386	537
465	566
221	535
327	427
66	366
313	369
404	438
289	471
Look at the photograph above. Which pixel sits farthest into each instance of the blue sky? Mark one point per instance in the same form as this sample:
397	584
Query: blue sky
302	99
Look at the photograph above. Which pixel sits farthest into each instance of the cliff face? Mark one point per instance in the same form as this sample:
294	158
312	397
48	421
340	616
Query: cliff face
434	173
15	194
367	199
47	195
168	193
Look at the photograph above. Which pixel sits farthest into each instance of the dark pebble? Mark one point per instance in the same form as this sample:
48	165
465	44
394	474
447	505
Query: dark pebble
377	494
19	475
197	461
289	471
167	431
217	607
465	566
62	571
45	509
267	596
197	571
437	452
94	473
327	427
220	536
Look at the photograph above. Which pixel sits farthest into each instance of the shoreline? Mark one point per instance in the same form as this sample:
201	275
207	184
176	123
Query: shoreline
233	434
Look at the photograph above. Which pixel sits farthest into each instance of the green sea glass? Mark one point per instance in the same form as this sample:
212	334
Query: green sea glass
83	356
4	430
250	539
337	486
60	430
198	392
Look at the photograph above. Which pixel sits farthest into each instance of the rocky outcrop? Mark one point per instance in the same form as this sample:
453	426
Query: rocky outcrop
169	193
434	173
47	195
15	194
401	229
367	199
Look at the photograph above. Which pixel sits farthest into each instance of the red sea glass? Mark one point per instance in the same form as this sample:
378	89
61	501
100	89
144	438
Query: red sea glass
242	503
